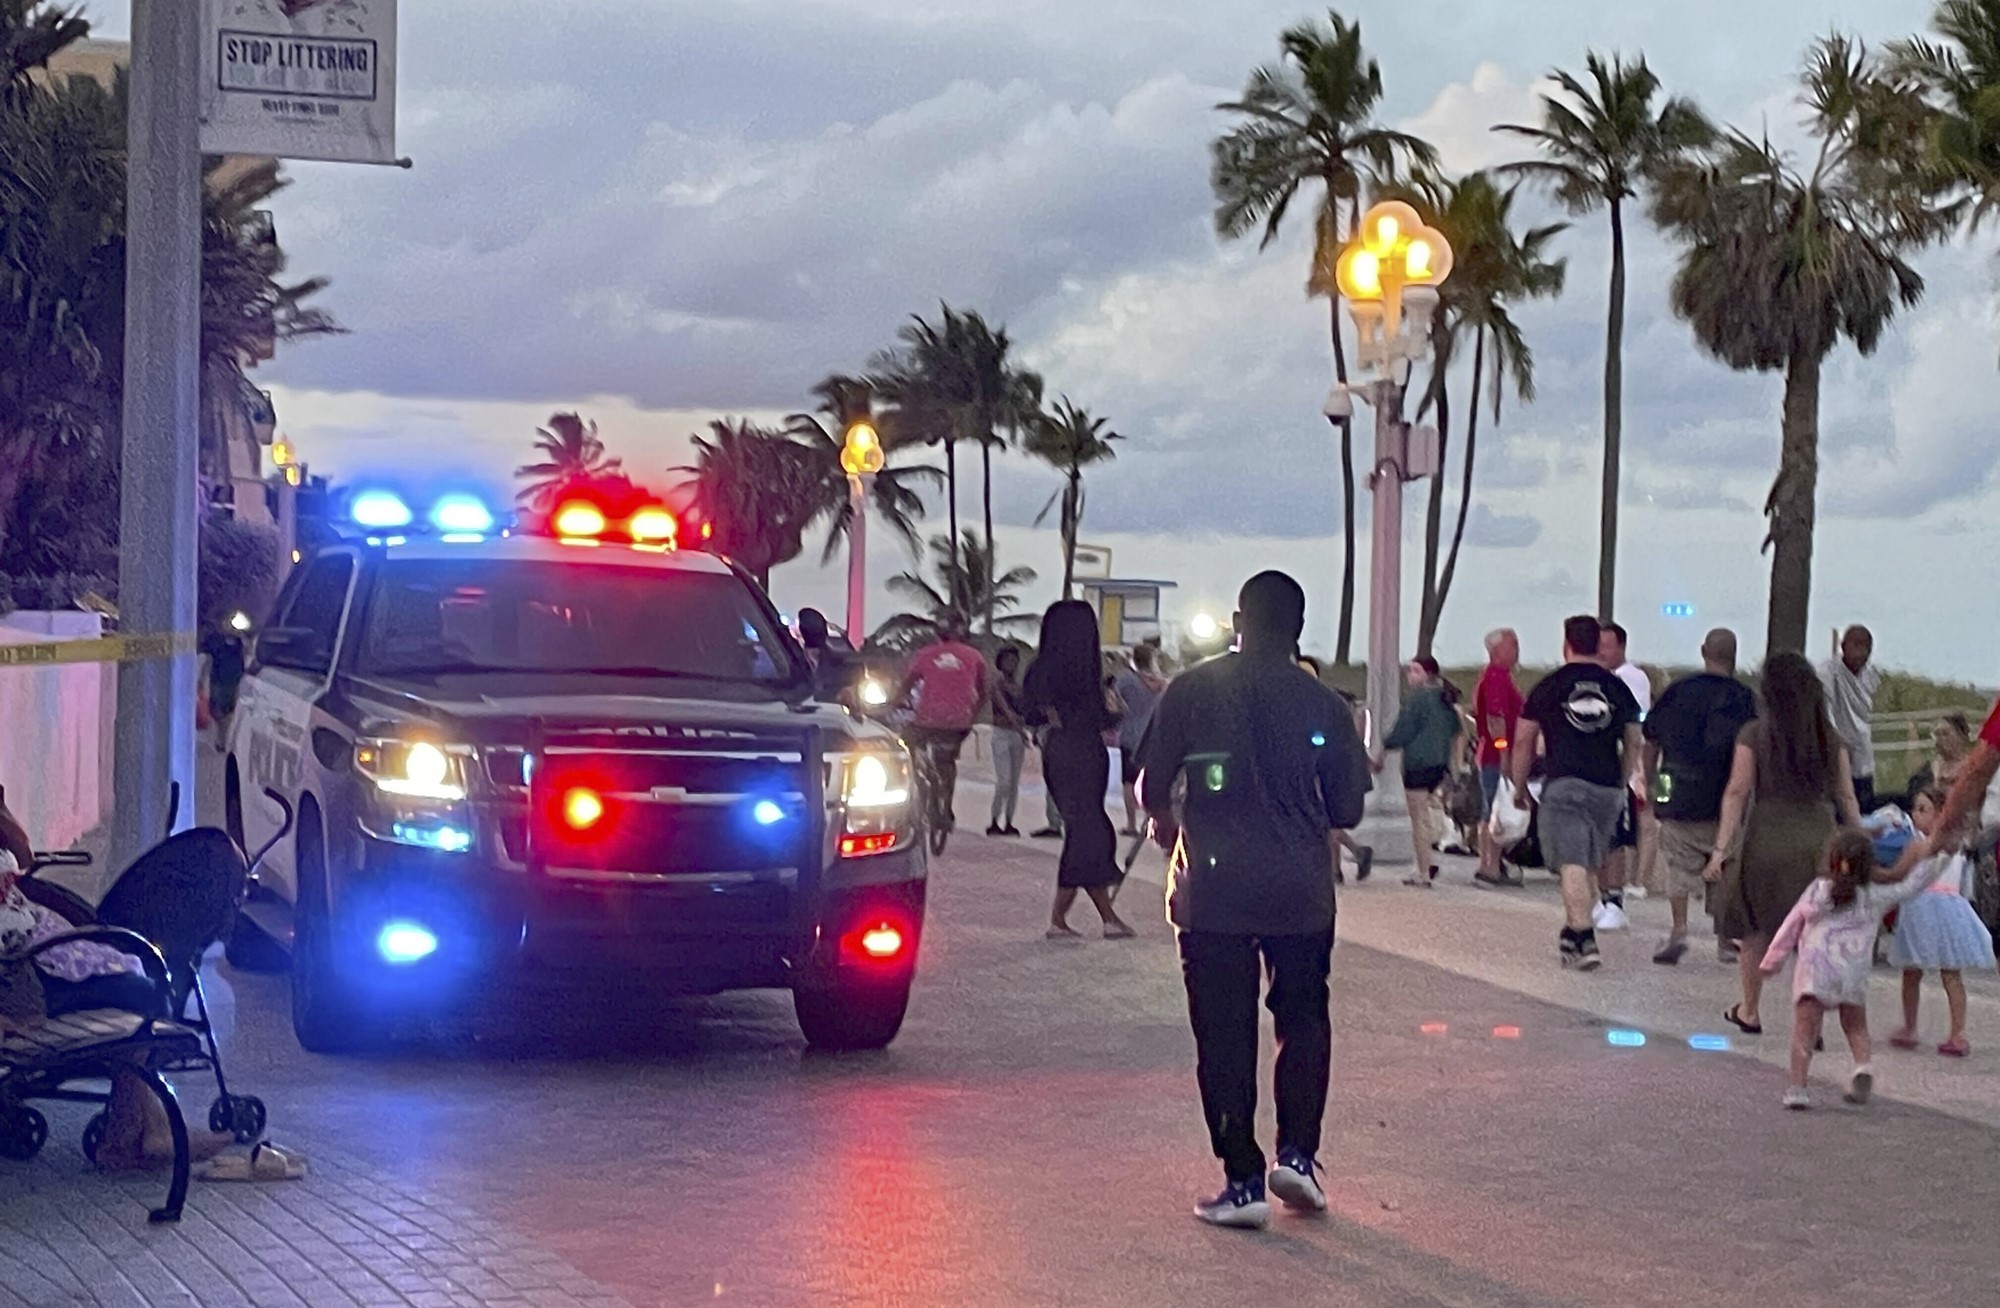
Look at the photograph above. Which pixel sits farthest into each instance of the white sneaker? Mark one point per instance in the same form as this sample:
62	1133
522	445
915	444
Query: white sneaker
1597	914
1861	1085
1635	892
1797	1098
1610	917
1295	1184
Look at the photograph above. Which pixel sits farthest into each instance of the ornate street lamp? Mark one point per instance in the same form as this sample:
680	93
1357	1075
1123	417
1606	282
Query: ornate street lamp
1389	275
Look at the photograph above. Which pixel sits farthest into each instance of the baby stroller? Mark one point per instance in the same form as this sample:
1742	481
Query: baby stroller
182	896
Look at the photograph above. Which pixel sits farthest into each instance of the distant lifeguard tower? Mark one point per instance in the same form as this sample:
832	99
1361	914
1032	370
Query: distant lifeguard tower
1129	611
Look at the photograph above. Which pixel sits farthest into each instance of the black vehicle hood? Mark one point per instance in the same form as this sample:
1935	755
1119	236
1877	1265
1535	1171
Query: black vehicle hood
507	709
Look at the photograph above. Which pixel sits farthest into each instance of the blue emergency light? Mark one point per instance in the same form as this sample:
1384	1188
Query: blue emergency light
380	510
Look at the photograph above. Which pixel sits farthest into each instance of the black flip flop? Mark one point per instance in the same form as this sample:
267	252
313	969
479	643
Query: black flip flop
1730	1016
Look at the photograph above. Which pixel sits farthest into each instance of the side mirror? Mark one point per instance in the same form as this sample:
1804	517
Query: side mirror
289	647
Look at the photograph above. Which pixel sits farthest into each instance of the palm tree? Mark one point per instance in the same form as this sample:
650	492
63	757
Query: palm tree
897	496
1779	266
570	452
1494	267
1310	121
1070	440
1599	140
62	220
965	584
759	490
1960	71
32	33
953	381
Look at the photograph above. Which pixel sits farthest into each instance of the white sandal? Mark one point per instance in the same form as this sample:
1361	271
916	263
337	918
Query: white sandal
261	1162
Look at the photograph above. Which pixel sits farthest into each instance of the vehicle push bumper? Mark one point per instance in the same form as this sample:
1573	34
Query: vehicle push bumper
701	870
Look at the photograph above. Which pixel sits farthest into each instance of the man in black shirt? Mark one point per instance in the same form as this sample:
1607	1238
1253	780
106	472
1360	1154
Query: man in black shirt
1587	722
1690	743
1272	766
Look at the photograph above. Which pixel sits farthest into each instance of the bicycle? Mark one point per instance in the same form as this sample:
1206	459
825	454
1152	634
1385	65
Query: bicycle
934	770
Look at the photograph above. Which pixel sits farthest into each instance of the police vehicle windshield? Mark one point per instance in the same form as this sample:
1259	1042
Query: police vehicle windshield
430	617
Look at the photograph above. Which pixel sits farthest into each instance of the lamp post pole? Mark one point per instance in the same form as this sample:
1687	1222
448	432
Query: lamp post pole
159	497
858	487
861	457
1385	566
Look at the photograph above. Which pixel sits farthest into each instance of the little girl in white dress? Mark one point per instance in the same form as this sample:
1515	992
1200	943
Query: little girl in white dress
1938	932
1833	927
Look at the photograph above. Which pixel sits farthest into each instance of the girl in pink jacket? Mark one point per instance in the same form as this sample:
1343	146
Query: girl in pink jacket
1833	927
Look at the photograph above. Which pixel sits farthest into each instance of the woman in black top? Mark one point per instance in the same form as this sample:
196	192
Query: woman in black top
1065	689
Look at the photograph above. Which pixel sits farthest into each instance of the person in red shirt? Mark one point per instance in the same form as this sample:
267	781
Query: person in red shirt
1496	707
951	687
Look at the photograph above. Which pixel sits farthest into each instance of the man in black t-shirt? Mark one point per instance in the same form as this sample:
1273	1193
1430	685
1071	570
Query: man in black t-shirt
1587	722
1690	744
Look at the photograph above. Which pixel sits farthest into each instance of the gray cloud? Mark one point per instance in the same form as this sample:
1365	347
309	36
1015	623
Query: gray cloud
1509	531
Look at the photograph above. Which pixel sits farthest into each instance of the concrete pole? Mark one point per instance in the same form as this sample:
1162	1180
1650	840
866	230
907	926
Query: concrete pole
1385	585
159	485
858	486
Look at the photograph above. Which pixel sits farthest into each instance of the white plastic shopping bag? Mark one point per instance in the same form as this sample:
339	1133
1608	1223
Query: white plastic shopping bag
1509	822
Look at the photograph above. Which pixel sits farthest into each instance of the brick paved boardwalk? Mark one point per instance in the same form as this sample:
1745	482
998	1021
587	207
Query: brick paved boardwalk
337	1238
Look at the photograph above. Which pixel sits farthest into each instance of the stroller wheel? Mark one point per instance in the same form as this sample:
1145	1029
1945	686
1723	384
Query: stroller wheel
242	1116
23	1132
93	1136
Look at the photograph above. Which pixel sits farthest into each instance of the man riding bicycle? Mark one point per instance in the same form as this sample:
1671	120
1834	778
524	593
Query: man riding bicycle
949	682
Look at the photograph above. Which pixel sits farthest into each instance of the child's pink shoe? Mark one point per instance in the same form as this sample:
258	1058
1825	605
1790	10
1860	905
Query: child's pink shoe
1903	1038
1956	1047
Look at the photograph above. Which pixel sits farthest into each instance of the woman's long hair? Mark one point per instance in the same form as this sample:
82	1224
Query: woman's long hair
1800	748
1069	665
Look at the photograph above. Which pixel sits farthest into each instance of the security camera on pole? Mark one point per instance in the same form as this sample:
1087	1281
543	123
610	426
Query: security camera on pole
1389	276
860	458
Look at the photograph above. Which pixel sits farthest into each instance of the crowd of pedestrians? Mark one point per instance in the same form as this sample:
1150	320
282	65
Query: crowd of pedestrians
1251	771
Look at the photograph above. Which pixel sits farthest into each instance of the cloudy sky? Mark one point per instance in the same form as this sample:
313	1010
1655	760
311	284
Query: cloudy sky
659	213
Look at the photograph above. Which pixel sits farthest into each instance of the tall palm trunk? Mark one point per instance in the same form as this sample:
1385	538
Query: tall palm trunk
951	494
1072	523
1465	486
1428	611
1344	636
986	488
1614	420
1791	508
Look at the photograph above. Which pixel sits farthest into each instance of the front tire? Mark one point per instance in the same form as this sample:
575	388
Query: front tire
844	1018
328	1016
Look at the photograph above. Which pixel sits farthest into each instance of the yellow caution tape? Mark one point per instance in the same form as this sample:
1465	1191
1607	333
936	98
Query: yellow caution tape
102	649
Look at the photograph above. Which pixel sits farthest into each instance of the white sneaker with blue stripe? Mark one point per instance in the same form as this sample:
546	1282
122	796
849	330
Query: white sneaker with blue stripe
1241	1204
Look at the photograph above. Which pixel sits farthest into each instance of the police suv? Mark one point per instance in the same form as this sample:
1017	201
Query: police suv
583	750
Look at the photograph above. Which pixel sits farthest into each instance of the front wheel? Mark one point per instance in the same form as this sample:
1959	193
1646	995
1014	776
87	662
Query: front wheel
328	1016
852	1017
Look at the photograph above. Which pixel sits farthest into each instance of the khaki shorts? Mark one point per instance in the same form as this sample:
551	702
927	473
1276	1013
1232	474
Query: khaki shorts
1685	848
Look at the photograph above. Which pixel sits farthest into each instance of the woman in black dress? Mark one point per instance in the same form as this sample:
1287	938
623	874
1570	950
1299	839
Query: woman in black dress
1065	689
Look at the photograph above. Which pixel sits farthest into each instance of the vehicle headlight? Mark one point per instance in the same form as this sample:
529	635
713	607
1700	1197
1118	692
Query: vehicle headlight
873	693
873	786
876	780
412	769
